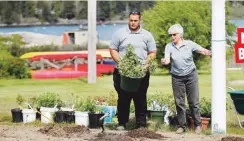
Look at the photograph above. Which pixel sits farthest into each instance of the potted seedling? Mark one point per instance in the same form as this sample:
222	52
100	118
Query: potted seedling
66	112
95	113
132	70
48	103
81	112
17	115
160	106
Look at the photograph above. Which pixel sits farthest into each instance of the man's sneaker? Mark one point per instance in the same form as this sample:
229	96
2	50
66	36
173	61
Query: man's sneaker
180	130
198	130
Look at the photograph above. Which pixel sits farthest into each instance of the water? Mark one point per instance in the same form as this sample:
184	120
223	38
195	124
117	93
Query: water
105	32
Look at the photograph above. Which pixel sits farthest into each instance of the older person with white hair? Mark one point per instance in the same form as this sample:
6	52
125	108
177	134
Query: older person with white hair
184	75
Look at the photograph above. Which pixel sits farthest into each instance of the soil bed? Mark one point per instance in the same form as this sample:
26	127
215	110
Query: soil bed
230	138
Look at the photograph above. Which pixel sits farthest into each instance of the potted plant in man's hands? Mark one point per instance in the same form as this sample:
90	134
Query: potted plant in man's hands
132	70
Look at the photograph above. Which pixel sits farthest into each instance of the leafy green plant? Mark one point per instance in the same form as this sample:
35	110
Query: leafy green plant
19	99
162	99
131	66
85	104
80	104
90	104
112	99
48	99
205	107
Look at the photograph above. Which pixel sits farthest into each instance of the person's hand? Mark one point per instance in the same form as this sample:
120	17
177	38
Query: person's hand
145	67
164	61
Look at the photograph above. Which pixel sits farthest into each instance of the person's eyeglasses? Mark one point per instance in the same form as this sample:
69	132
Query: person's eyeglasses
135	12
172	34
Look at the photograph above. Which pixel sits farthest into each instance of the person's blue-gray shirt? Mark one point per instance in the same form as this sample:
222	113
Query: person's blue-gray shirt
181	58
142	41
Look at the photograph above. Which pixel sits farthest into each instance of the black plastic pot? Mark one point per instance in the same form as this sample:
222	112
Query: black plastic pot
94	121
17	115
38	115
60	116
70	116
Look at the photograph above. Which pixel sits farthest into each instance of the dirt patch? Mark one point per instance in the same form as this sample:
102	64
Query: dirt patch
144	132
232	139
111	137
59	131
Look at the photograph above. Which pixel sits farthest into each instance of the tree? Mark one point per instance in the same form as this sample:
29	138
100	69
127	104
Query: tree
194	16
82	11
68	9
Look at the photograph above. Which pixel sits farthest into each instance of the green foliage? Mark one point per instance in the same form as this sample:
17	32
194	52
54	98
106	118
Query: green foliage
85	104
13	67
132	107
131	66
205	107
90	104
19	99
195	19
80	104
48	99
162	99
112	99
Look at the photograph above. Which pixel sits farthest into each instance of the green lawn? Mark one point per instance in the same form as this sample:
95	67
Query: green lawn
10	88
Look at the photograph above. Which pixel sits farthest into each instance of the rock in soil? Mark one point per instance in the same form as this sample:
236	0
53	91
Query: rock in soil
144	132
232	139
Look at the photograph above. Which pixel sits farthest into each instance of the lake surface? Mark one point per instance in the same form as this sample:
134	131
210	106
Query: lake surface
105	32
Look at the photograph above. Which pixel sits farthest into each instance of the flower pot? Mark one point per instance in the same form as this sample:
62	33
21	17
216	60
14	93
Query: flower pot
94	121
29	115
130	84
204	125
81	118
60	116
157	116
38	115
47	114
17	115
70	116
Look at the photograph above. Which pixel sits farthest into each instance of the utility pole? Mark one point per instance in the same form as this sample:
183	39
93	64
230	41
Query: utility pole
218	68
92	41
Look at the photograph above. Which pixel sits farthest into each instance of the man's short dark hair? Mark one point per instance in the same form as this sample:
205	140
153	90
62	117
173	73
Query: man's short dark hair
135	12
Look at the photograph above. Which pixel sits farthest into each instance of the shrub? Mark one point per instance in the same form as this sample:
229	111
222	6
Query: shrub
112	99
13	67
205	107
48	99
131	66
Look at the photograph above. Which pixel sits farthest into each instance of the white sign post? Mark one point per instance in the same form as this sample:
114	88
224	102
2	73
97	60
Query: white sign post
218	68
92	41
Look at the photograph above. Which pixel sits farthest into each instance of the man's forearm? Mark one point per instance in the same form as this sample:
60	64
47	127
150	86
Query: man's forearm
150	56
115	55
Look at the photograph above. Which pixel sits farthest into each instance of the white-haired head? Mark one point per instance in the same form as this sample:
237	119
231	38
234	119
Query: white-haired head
176	28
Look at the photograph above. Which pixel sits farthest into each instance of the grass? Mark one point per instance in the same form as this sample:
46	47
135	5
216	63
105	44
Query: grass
10	88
